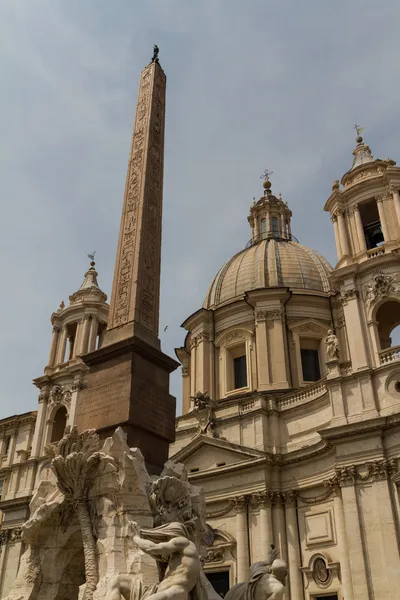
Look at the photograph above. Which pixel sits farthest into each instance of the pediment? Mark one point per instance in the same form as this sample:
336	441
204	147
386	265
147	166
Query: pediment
309	326
205	453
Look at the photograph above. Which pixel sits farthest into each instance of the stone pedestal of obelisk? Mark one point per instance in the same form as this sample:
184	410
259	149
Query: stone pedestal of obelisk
128	381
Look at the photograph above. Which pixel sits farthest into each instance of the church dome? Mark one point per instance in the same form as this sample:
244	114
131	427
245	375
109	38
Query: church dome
271	262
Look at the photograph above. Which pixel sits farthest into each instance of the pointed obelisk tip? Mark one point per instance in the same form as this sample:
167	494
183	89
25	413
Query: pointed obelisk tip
156	50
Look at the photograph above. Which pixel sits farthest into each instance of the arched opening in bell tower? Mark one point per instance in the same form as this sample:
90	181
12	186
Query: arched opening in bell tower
371	224
60	421
388	324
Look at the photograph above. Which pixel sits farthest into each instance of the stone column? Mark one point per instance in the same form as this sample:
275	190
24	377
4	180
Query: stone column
78	337
396	199
337	238
53	347
263	500
264	378
62	345
382	216
342	233
360	229
267	224
185	389
380	472
294	558
85	335
345	569
357	344
242	538
279	525
203	356
40	423
283	226
280	376
101	336
346	478
93	334
289	230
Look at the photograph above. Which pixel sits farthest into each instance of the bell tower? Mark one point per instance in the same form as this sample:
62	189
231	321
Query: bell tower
365	207
365	211
128	380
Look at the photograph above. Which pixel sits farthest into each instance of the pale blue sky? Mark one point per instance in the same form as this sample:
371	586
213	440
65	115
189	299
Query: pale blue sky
250	85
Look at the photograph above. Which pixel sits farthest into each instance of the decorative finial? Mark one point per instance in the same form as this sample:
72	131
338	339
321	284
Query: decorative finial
359	131
265	176
156	50
91	256
62	305
335	185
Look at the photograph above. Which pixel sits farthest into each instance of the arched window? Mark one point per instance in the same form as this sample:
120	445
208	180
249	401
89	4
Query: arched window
388	323
275	230
60	421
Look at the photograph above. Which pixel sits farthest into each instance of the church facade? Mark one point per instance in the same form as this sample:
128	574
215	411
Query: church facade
291	396
290	382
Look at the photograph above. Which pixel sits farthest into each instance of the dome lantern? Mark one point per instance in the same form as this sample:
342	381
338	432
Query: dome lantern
270	217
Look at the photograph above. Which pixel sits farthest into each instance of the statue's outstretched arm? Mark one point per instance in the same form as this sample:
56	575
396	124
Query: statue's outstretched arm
162	549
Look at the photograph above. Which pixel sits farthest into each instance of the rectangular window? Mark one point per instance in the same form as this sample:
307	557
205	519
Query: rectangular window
240	371
6	445
310	364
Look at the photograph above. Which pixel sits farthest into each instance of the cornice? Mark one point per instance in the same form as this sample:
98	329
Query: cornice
17	420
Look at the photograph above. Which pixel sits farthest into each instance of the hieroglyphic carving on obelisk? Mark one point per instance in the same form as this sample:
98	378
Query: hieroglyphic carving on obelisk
134	307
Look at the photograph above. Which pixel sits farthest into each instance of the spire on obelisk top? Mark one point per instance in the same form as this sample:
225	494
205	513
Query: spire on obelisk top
134	307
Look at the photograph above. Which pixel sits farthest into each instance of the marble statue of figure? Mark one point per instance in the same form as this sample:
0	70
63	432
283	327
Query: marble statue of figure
266	582
332	346
167	543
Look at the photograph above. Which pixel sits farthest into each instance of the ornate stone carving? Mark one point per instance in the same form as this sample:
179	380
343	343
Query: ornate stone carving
234	335
170	500
275	314
321	574
346	475
214	555
264	577
347	295
75	459
34	569
239	503
77	386
14	535
380	287
332	346
59	394
261	499
290	497
307	327
204	412
261	315
380	469
185	371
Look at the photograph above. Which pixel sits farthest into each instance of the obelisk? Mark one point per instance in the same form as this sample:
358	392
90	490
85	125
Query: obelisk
128	381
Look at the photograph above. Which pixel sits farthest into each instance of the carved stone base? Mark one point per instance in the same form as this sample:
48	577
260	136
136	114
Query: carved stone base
333	368
128	386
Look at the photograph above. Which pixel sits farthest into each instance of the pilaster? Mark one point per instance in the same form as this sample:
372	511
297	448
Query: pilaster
240	504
